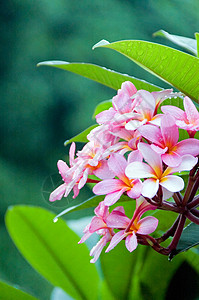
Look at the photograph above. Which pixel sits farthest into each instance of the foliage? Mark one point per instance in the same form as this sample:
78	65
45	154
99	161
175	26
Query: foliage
52	248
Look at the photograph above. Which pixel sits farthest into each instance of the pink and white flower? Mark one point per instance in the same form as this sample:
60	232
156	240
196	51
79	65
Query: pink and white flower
129	228
153	171
114	188
188	119
165	141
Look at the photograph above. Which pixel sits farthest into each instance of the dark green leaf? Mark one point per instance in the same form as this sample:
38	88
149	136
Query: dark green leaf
53	250
81	137
177	68
102	75
186	43
189	238
91	202
8	292
104	105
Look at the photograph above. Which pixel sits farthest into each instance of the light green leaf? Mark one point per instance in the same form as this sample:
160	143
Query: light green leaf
184	42
177	68
188	239
119	267
102	75
81	137
53	250
197	40
8	292
104	105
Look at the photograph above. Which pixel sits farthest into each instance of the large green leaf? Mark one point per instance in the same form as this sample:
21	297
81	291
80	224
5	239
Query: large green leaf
188	239
177	68
8	292
102	75
186	43
81	137
53	250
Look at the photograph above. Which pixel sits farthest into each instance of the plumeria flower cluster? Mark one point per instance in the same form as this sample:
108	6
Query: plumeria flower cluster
135	151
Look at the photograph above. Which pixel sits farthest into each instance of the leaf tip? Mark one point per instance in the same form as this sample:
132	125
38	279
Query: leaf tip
66	142
100	44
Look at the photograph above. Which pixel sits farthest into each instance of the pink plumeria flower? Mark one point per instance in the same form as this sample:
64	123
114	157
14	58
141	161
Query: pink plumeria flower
68	176
98	225
129	229
153	171
114	188
144	112
188	119
165	141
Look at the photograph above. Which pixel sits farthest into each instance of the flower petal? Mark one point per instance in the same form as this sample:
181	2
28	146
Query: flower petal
131	242
190	109
108	186
117	163
139	170
58	193
172	183
150	187
147	225
116	239
152	133
169	131
151	157
112	198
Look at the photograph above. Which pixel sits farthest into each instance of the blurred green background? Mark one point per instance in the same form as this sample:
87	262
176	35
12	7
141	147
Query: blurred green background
42	107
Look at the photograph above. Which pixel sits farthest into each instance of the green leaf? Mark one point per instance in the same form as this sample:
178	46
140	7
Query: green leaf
177	68
155	274
102	75
53	250
184	42
8	292
192	257
197	40
91	202
188	239
104	105
119	267
81	137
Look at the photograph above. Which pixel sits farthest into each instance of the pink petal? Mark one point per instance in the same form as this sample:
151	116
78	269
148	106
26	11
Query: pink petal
189	146
105	116
112	198
108	186
188	162
151	157
101	210
97	249
152	133
135	155
63	167
96	224
116	239
172	159
103	172
169	131
117	163
131	242
139	170
191	111
150	188
147	225
135	192
174	111
58	193
117	221
72	154
172	183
